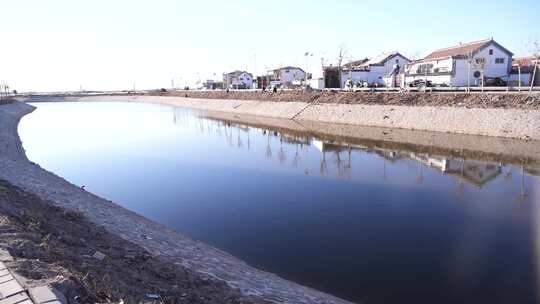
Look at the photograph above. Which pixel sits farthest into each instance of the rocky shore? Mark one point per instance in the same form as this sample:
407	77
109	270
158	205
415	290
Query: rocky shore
111	243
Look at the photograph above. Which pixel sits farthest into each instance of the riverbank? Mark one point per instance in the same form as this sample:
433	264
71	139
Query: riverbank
515	122
226	277
491	100
54	246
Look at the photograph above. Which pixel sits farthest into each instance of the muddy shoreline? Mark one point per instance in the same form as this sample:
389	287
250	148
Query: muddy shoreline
229	277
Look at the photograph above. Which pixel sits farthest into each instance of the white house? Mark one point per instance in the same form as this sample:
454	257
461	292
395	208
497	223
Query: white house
382	70
462	65
238	80
288	75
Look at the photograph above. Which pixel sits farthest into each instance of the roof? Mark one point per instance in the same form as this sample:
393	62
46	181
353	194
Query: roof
289	68
383	58
464	49
356	63
377	60
525	61
238	72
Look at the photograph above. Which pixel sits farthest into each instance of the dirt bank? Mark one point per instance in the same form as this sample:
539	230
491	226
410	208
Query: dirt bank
58	247
472	100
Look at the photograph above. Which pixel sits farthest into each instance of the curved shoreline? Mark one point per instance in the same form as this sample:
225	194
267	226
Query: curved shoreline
158	240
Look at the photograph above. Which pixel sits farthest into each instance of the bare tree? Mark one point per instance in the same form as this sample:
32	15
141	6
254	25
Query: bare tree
341	55
536	58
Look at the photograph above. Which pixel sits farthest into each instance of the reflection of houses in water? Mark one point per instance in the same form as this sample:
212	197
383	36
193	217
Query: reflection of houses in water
474	172
337	155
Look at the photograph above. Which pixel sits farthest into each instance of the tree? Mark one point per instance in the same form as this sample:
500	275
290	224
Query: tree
341	55
536	58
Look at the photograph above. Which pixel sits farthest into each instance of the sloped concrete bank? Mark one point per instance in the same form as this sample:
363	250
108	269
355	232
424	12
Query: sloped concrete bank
507	123
159	241
497	122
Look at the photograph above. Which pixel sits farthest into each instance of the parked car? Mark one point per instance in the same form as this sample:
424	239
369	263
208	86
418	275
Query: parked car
420	83
494	82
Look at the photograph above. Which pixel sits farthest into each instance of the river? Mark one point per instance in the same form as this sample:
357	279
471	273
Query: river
365	223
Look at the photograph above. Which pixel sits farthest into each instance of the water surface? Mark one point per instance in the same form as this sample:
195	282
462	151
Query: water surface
363	223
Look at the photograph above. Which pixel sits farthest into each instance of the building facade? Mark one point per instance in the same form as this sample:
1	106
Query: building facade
381	71
288	76
469	64
238	80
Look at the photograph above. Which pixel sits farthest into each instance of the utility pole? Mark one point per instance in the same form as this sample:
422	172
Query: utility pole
519	75
469	72
534	74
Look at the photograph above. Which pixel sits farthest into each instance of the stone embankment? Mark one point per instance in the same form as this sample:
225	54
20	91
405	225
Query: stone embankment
515	122
180	252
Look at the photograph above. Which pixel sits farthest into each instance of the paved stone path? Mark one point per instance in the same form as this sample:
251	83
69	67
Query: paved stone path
13	292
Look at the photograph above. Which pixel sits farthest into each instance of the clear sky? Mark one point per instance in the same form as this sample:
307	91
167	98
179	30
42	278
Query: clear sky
112	44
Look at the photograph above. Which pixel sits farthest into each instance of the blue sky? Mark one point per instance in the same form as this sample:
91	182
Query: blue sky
112	44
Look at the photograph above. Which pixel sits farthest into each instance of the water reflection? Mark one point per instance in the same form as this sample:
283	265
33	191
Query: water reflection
336	157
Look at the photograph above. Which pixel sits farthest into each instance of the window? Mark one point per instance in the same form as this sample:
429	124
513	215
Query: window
397	60
287	71
491	51
480	60
424	68
499	60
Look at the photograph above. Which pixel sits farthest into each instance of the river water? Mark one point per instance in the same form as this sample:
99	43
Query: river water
367	224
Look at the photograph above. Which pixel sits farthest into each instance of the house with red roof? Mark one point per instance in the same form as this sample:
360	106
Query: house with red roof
467	64
523	71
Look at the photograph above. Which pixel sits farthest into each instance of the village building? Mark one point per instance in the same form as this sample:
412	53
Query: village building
524	69
283	77
380	71
211	84
238	80
479	63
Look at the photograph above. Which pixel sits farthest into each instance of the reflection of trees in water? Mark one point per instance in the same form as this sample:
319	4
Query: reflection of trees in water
323	170
522	193
281	154
344	166
461	183
239	140
248	141
268	153
296	158
339	158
